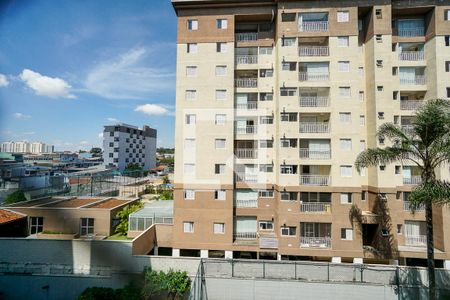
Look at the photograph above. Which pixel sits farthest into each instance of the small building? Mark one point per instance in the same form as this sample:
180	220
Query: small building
157	212
160	170
13	224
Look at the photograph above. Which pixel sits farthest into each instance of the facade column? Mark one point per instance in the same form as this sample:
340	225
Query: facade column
447	264
358	260
204	254
336	259
176	252
155	250
228	254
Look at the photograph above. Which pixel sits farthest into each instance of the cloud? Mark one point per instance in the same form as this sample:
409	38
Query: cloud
21	116
100	135
46	86
29	133
112	119
128	76
3	80
84	142
152	109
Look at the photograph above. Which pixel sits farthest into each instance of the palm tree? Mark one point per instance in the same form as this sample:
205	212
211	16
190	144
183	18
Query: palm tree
427	145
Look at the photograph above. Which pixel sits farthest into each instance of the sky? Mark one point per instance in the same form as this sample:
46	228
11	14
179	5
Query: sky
69	67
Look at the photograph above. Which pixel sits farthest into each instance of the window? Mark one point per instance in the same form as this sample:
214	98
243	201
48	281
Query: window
362	120
379	38
267	120
288	196
361	96
221	94
346	234
363	196
189	168
221	47
219	169
112	154
343	41
188	227
398	195
379	63
380	88
346	144
447	15
346	198
447	40
288	230
447	66
190	119
288	117
220	195
394	71
266	73
343	16
344	91
345	117
361	71
382	167
381	115
189	194
192	24
36	225
220	143
266	97
288	66
221	70
191	71
399	229
189	143
346	171
397	170
219	228
222	24
87	226
378	13
362	145
381	141
266	168
287	42
288	143
266	144
266	225
288	169
448	92
287	17
265	193
191	95
344	66
265	50
288	91
221	119
111	144
192	48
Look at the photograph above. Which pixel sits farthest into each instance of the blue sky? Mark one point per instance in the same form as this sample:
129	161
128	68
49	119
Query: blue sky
69	67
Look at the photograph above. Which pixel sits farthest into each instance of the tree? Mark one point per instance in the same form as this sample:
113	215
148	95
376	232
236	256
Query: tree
122	227
166	195
427	145
96	152
14	197
166	179
173	284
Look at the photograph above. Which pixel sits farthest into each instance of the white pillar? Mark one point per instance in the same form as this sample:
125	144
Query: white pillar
447	264
336	259
393	262
204	253
278	256
228	254
358	260
155	250
175	252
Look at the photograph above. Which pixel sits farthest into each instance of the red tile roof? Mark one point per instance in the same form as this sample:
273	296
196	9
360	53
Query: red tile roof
7	215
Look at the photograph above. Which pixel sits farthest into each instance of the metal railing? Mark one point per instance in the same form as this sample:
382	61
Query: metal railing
416	240
246	203
246	36
313	51
418	31
249	129
246	59
243	177
315	207
412	180
268	242
314	127
305	76
313	26
314	101
411	55
251	105
410	104
315	180
246	153
315	154
407	206
315	242
244	235
417	80
246	82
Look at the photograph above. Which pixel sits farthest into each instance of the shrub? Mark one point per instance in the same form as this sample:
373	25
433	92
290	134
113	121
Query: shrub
14	197
173	284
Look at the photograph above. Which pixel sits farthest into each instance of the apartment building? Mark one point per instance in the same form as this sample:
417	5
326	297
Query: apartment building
124	144
275	100
26	147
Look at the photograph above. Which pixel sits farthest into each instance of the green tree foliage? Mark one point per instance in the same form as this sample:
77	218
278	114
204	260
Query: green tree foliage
170	285
129	292
122	227
14	197
166	195
166	179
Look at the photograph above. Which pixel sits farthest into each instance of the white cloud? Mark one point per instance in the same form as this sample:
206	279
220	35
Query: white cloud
100	135
46	86
84	142
152	109
3	80
21	116
112	119
29	133
128	76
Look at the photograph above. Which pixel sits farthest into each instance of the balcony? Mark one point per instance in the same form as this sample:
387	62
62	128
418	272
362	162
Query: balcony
250	105
248	129
314	127
245	235
307	76
318	180
416	240
246	82
315	207
253	203
313	26
414	80
307	153
246	59
246	36
313	51
315	242
246	177
246	153
410	104
412	180
407	207
411	55
411	32
314	101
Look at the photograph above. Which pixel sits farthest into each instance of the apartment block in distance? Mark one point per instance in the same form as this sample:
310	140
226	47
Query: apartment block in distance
275	100
124	144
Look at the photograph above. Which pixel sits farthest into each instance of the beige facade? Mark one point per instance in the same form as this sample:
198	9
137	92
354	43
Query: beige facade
275	100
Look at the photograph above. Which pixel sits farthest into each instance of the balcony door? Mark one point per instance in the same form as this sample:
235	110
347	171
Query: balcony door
318	148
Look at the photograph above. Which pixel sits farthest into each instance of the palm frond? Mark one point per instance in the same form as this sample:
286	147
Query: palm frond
394	132
378	156
437	191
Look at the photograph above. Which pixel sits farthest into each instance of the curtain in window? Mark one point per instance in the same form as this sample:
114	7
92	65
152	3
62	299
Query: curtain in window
245	224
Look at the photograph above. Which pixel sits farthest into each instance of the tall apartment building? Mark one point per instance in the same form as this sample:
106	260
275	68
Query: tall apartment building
275	99
26	147
124	144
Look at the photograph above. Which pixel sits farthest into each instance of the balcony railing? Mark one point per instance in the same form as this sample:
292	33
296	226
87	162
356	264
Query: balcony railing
314	101
243	177
417	80
246	36
246	153
314	127
268	242
321	180
249	129
411	55
410	104
409	32
246	59
245	235
313	51
314	154
305	76
315	207
408	129
313	26
246	82
251	105
416	240
407	206
412	180
315	242
246	203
